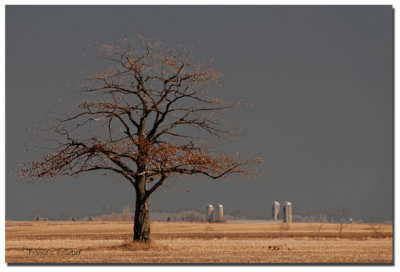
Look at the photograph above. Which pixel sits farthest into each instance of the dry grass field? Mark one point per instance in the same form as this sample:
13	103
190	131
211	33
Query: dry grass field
109	242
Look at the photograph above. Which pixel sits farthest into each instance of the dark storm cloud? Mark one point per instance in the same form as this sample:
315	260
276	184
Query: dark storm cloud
320	79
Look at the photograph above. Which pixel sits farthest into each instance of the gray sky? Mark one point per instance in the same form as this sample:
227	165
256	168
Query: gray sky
320	79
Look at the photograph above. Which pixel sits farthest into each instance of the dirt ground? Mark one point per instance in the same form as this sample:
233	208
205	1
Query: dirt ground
110	242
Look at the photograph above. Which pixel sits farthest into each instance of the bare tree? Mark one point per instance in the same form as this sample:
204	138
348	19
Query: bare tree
377	230
142	121
126	214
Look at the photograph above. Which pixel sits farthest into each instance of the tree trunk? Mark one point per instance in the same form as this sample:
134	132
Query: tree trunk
141	227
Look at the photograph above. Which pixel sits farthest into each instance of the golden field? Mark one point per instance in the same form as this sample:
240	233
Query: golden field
246	242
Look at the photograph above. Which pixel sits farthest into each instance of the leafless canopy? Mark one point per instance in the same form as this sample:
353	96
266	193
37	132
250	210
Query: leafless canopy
145	112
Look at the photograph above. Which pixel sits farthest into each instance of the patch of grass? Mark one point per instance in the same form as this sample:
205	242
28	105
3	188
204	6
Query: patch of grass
111	242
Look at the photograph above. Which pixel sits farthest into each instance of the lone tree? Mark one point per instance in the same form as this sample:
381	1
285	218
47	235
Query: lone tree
142	121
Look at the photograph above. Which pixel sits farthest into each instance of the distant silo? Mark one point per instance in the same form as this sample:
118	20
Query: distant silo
210	213
275	210
219	213
287	212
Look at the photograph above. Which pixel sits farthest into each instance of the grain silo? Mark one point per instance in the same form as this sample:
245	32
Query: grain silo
275	210
219	213
287	212
210	213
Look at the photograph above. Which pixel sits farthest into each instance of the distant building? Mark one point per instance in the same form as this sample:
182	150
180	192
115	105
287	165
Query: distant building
287	212
219	213
210	213
275	210
215	215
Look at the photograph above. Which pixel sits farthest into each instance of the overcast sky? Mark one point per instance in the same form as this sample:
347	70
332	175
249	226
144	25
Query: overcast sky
320	79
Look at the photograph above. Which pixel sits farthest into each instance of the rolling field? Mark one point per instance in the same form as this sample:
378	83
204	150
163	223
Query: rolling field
110	242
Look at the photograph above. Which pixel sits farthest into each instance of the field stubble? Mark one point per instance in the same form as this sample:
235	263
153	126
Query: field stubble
110	242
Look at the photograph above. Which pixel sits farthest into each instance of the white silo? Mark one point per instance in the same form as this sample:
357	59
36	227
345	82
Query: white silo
210	213
219	213
287	212
275	210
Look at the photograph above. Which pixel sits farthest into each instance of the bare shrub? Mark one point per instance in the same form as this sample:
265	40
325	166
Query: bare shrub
319	230
340	229
377	230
